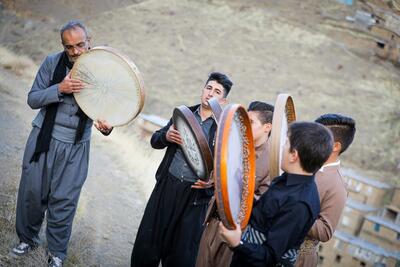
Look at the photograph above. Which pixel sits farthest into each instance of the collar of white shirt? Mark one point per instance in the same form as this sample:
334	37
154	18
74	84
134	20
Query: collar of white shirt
329	165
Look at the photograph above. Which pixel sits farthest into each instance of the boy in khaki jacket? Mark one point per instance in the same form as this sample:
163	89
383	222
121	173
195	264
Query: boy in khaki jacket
331	188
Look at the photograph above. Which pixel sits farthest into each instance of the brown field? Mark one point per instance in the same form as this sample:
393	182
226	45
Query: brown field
266	47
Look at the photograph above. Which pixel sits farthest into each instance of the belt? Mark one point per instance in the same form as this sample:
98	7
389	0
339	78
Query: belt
309	246
182	179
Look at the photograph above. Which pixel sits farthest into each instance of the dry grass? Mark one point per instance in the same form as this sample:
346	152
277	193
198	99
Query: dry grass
8	239
80	250
131	148
266	48
22	66
79	254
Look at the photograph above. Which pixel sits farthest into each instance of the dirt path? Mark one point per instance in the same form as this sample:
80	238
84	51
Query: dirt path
113	200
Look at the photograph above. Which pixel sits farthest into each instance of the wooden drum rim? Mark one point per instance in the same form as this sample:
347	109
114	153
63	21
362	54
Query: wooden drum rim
221	168
187	115
215	108
284	109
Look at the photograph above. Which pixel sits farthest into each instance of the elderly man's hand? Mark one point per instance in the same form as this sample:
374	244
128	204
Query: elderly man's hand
104	127
69	85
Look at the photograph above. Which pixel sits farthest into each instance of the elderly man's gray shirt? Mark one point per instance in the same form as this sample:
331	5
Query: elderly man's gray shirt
42	94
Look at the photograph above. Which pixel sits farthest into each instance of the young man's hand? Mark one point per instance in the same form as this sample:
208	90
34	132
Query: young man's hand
231	237
173	135
200	184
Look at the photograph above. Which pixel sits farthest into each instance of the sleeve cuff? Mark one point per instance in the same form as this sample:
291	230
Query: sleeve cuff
242	248
164	139
59	94
107	133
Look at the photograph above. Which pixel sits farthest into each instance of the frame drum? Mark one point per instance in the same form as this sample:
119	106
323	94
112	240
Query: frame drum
234	167
113	88
284	113
216	108
195	146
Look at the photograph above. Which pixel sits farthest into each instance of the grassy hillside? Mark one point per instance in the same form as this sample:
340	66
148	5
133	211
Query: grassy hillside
266	48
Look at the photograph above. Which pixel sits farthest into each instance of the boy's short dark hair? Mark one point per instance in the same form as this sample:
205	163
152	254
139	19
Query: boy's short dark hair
264	111
343	128
313	142
222	79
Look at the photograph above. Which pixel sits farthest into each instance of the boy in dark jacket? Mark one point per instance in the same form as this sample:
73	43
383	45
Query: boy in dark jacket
285	213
